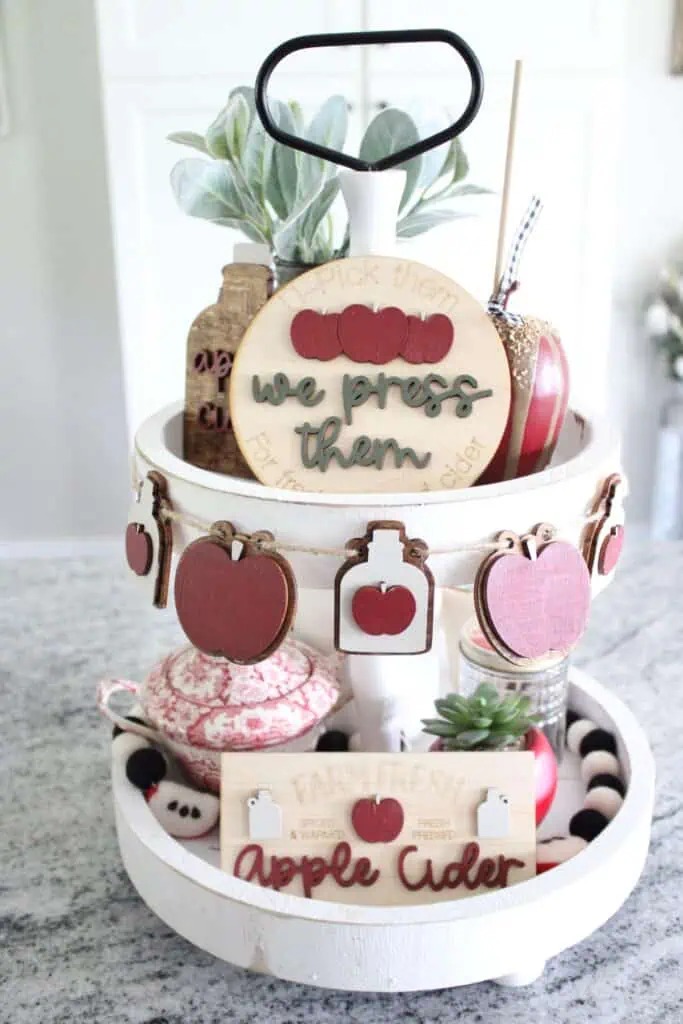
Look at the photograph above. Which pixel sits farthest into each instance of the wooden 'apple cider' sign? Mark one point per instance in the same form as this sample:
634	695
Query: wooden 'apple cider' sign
379	829
213	339
370	374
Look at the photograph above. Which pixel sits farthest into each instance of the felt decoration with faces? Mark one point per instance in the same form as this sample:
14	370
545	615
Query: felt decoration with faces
181	810
604	539
149	539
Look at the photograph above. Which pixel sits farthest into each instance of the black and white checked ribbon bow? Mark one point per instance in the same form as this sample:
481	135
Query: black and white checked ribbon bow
508	282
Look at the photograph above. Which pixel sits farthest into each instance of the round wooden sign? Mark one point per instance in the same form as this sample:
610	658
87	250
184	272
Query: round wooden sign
370	374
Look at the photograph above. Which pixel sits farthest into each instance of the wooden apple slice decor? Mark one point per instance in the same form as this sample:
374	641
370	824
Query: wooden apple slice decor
533	597
369	336
235	599
604	539
428	340
148	540
315	336
377	819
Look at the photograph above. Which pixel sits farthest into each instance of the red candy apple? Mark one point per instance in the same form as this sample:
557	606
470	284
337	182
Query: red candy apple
369	337
314	335
139	549
383	611
540	393
429	340
377	820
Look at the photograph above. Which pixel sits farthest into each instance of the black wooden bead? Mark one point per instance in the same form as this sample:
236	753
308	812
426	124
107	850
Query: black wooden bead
598	739
116	731
145	767
587	824
606	779
572	717
333	740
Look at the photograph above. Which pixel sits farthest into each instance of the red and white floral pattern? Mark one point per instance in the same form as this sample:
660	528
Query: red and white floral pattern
205	705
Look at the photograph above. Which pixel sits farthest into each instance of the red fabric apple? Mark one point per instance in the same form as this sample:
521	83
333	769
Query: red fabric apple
369	337
139	549
377	820
382	610
314	335
540	394
429	340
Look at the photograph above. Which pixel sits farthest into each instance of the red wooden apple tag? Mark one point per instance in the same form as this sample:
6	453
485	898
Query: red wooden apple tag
532	601
429	340
604	536
383	610
610	552
369	337
314	335
377	820
139	549
239	609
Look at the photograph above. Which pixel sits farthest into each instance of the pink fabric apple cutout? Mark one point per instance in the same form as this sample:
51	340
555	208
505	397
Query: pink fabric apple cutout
538	605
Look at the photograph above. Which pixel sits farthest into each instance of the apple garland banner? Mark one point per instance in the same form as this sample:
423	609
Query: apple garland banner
349	378
234	598
533	595
149	540
384	594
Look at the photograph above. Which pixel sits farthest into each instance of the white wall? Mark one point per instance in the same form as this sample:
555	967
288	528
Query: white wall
650	226
63	447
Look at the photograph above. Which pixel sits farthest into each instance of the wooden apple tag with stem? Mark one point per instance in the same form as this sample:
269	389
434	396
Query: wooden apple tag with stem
149	538
604	539
384	594
235	596
532	597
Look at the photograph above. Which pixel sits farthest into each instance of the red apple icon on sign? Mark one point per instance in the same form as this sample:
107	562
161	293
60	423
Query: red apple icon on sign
368	337
429	340
139	549
377	821
314	335
383	610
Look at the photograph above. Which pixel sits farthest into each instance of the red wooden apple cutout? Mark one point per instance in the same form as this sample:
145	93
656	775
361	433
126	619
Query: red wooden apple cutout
369	337
429	340
610	552
540	394
314	335
139	549
236	609
377	820
531	601
382	610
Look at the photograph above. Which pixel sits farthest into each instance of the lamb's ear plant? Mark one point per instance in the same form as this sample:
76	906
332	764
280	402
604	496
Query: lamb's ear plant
483	721
243	179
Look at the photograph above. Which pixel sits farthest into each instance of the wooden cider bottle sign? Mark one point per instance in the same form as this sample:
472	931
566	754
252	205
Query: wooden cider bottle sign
209	441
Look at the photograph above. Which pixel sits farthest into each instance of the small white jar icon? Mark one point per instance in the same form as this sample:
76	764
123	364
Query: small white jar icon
384	594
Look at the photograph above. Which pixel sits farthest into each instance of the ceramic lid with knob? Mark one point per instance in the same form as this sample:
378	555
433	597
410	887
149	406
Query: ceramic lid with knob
212	703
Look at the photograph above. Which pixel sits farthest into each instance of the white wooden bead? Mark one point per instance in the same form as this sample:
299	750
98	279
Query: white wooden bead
576	732
599	762
558	850
604	799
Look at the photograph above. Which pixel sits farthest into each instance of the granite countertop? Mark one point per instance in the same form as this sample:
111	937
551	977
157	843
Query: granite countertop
78	945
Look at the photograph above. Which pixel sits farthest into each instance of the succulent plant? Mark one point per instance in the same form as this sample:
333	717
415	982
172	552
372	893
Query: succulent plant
483	721
278	196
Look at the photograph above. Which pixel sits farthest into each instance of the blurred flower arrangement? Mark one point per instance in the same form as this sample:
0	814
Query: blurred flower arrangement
282	198
664	319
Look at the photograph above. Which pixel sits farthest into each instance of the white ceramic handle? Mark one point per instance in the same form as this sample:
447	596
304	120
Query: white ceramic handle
105	691
372	199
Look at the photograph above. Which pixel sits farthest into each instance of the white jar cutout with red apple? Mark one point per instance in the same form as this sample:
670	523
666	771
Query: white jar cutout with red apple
384	597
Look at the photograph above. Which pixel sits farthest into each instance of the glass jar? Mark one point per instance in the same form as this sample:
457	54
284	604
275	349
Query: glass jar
544	680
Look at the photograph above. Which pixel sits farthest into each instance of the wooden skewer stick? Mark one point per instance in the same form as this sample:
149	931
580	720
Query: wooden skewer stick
509	158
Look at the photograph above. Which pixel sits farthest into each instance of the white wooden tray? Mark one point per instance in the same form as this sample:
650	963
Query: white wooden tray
506	936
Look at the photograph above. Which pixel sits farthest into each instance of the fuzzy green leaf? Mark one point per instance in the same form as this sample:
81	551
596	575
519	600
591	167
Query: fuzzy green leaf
206	189
282	186
192	139
388	132
417	223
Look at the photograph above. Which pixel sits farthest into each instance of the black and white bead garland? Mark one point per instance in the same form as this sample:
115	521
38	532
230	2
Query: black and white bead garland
605	791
